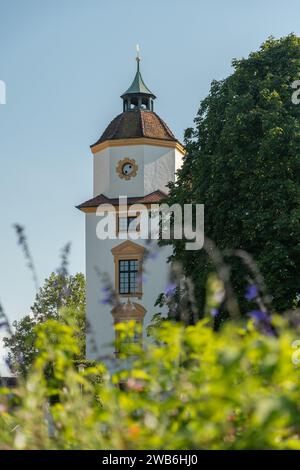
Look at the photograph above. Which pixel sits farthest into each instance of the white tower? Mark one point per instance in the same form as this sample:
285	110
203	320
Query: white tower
136	156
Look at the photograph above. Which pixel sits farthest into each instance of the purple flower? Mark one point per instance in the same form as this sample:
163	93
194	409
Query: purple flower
263	320
214	312
107	297
259	316
153	255
170	289
8	363
251	292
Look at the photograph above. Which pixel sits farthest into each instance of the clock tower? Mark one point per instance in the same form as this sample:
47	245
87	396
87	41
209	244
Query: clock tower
136	156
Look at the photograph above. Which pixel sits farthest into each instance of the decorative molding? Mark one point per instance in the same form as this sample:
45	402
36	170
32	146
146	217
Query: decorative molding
128	311
128	248
138	141
120	209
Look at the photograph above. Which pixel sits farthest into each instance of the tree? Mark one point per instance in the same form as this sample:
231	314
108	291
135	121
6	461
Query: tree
58	296
243	163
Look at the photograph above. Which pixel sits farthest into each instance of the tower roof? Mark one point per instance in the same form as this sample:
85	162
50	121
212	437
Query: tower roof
138	86
138	120
134	124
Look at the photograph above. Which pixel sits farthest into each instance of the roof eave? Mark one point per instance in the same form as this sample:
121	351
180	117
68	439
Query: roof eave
92	204
172	143
128	94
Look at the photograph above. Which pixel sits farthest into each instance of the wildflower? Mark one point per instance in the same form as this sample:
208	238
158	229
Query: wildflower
251	292
259	316
214	312
105	289
170	289
134	430
135	385
263	320
153	255
63	268
22	241
106	300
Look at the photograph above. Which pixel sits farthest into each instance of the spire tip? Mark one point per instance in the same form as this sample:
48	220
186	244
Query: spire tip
138	58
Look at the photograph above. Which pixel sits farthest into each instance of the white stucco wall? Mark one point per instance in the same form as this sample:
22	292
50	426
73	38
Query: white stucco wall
156	167
101	172
100	335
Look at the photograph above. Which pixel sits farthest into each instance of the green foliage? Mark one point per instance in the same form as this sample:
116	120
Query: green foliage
54	300
191	388
243	163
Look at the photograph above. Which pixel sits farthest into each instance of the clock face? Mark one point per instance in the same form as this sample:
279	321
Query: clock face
127	168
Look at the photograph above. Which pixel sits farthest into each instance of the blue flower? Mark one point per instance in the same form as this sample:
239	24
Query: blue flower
259	316
263	320
170	289
153	255
251	292
214	312
106	301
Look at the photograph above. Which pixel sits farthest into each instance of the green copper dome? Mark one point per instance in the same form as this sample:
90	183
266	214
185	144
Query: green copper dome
138	86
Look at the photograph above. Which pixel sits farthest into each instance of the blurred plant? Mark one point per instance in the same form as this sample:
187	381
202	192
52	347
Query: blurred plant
23	242
60	293
192	388
54	300
4	322
188	386
64	265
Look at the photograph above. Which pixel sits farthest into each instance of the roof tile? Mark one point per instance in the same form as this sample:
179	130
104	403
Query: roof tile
154	197
136	123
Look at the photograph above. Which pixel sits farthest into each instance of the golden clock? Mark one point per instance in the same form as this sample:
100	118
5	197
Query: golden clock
127	168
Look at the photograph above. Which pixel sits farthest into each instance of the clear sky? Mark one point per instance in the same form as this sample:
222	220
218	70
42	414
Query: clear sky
65	64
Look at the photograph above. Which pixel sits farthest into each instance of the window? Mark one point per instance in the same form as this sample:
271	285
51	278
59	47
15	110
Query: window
135	338
128	276
127	224
128	260
125	312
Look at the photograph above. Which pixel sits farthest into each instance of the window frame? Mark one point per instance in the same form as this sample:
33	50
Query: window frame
129	218
129	250
129	271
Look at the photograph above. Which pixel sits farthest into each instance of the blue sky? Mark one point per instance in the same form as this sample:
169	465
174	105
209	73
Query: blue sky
65	64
